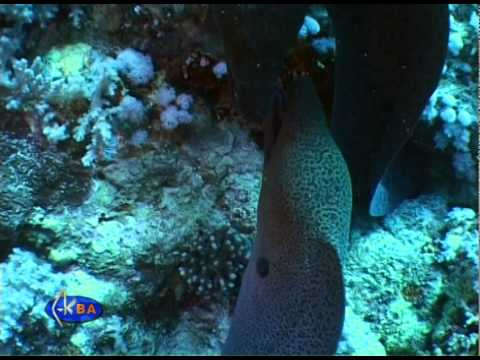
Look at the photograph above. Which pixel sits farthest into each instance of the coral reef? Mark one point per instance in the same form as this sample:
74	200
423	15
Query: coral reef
127	175
137	234
405	287
450	119
32	177
358	338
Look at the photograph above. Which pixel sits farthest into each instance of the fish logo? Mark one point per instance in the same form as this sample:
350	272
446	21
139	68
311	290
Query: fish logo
73	309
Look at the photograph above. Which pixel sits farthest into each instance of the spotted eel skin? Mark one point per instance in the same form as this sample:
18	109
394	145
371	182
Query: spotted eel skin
292	296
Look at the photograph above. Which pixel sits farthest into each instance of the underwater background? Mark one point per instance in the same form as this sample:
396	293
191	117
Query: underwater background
127	175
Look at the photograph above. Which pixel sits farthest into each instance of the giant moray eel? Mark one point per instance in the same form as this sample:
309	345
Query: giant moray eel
292	295
256	39
388	62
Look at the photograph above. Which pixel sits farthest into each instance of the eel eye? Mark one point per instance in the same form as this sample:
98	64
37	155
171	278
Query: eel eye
262	267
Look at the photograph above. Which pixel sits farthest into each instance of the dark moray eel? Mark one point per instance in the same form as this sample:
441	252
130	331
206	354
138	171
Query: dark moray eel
388	62
256	37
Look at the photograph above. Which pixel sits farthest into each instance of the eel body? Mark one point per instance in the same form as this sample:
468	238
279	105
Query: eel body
292	296
257	38
389	60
